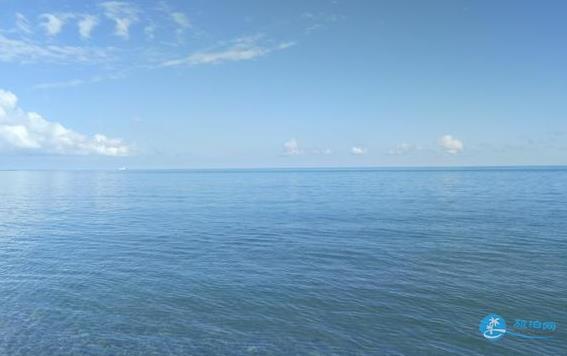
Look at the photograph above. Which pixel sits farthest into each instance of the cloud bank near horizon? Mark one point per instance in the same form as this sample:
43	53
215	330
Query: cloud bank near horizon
23	131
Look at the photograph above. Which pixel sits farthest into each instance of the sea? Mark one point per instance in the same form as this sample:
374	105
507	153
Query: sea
283	261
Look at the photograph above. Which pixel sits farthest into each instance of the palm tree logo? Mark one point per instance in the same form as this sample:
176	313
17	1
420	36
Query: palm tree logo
493	326
492	323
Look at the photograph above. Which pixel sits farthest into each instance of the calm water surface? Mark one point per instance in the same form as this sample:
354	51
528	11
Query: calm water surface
280	262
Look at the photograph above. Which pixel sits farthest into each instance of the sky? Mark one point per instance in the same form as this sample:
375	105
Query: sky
266	83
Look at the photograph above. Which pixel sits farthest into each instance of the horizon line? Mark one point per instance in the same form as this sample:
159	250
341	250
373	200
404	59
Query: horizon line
346	168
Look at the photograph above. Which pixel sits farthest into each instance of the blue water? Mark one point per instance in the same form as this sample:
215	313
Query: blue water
318	262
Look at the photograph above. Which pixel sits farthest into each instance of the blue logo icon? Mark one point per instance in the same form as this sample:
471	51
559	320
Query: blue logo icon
493	326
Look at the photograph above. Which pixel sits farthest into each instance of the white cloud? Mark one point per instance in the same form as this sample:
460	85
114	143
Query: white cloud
53	23
23	24
30	132
16	136
291	147
450	144
24	51
86	25
8	101
181	19
123	14
358	150
241	49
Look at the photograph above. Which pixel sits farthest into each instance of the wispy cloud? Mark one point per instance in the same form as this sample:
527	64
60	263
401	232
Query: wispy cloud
53	23
182	23
86	25
22	24
241	49
25	51
30	132
76	82
451	145
318	21
181	19
124	14
61	84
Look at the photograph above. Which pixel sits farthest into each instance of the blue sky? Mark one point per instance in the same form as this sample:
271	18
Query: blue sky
211	84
